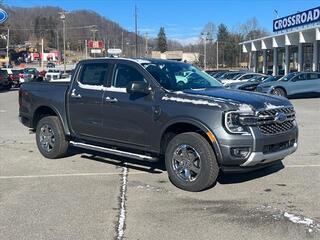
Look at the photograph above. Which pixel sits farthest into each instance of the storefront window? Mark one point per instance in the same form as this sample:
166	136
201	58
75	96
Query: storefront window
293	58
307	57
281	59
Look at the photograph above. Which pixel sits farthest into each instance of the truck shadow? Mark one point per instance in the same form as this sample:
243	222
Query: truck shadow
159	167
233	178
145	166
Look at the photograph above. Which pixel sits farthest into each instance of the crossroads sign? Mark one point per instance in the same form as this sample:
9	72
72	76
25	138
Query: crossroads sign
297	19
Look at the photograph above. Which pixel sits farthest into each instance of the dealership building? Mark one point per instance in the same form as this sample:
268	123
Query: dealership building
294	46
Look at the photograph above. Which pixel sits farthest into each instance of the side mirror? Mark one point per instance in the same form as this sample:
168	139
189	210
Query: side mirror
138	87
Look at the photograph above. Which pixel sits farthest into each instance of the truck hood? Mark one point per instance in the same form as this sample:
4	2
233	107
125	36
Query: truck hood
237	99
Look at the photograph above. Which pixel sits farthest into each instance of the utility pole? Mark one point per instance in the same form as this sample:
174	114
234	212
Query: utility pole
63	18
136	29
42	54
86	47
217	55
8	42
122	50
146	53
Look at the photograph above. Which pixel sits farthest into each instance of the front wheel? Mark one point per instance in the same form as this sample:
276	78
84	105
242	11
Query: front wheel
50	137
279	92
191	163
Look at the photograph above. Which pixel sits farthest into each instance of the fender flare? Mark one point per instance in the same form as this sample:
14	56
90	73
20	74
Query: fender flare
200	125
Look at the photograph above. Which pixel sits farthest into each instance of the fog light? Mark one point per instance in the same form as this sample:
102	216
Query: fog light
240	152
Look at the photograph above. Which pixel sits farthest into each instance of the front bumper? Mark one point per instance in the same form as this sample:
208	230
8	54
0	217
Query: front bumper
263	149
259	157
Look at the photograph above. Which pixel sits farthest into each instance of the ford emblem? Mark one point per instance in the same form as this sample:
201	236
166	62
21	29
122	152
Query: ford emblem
3	16
280	117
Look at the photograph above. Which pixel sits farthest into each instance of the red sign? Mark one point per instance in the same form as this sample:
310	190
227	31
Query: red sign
95	44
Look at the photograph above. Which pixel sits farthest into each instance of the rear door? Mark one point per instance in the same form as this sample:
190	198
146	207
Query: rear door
85	99
128	118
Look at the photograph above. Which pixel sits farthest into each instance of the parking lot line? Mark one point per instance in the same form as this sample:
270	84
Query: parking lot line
67	175
301	165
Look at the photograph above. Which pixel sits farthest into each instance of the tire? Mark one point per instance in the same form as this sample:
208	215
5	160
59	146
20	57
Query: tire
50	137
198	170
279	92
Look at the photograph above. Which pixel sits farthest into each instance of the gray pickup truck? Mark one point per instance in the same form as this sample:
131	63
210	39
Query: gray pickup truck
151	109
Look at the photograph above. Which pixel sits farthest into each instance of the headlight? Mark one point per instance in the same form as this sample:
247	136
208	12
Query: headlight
238	123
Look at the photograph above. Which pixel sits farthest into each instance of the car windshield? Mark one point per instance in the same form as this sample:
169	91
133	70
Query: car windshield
236	76
177	76
270	79
287	77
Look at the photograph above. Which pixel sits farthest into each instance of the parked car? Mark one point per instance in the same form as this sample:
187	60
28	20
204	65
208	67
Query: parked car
5	81
51	65
228	75
218	74
298	84
140	111
53	74
241	78
16	76
29	74
252	83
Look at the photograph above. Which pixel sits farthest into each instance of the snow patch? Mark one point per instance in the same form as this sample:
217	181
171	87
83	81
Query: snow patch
269	106
195	102
245	108
299	220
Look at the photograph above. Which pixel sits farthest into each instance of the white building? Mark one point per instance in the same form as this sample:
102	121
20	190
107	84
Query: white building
295	45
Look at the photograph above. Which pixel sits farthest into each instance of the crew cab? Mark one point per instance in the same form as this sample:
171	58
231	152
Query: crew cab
140	108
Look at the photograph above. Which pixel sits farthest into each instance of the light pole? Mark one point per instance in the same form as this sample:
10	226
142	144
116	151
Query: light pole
8	42
63	18
205	38
217	54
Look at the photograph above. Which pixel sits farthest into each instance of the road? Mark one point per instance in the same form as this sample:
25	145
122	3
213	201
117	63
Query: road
94	196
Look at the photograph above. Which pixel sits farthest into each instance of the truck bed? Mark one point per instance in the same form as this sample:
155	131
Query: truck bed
34	95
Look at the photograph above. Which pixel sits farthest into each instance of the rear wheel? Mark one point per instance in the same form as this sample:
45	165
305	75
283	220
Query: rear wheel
191	163
50	137
279	92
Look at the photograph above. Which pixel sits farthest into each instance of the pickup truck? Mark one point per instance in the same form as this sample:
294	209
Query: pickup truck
138	108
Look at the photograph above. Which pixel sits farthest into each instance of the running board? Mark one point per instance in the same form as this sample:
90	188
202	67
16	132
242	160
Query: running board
113	151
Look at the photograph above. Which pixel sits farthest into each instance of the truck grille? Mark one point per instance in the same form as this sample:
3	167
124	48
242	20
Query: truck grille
267	120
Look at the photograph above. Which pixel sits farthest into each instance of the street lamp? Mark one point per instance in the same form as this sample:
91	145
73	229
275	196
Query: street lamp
63	18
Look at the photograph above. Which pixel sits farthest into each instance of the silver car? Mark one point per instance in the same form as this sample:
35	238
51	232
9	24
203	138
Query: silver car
298	84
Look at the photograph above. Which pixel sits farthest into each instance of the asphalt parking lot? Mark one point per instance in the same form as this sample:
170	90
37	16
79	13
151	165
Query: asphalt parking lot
89	196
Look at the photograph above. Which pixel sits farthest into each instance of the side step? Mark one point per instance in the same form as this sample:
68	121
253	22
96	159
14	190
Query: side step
114	151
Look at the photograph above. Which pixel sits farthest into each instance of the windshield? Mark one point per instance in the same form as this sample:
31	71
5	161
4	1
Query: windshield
236	76
177	76
269	79
287	77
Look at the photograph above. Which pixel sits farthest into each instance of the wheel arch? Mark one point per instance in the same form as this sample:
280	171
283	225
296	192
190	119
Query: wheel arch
43	111
182	125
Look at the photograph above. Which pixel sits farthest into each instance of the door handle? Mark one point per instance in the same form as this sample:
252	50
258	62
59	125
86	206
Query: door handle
111	100
75	95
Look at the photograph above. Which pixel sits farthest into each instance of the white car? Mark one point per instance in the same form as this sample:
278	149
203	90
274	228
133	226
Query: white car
53	74
241	78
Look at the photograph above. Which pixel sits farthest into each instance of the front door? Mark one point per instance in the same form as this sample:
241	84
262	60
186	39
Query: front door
85	100
128	118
